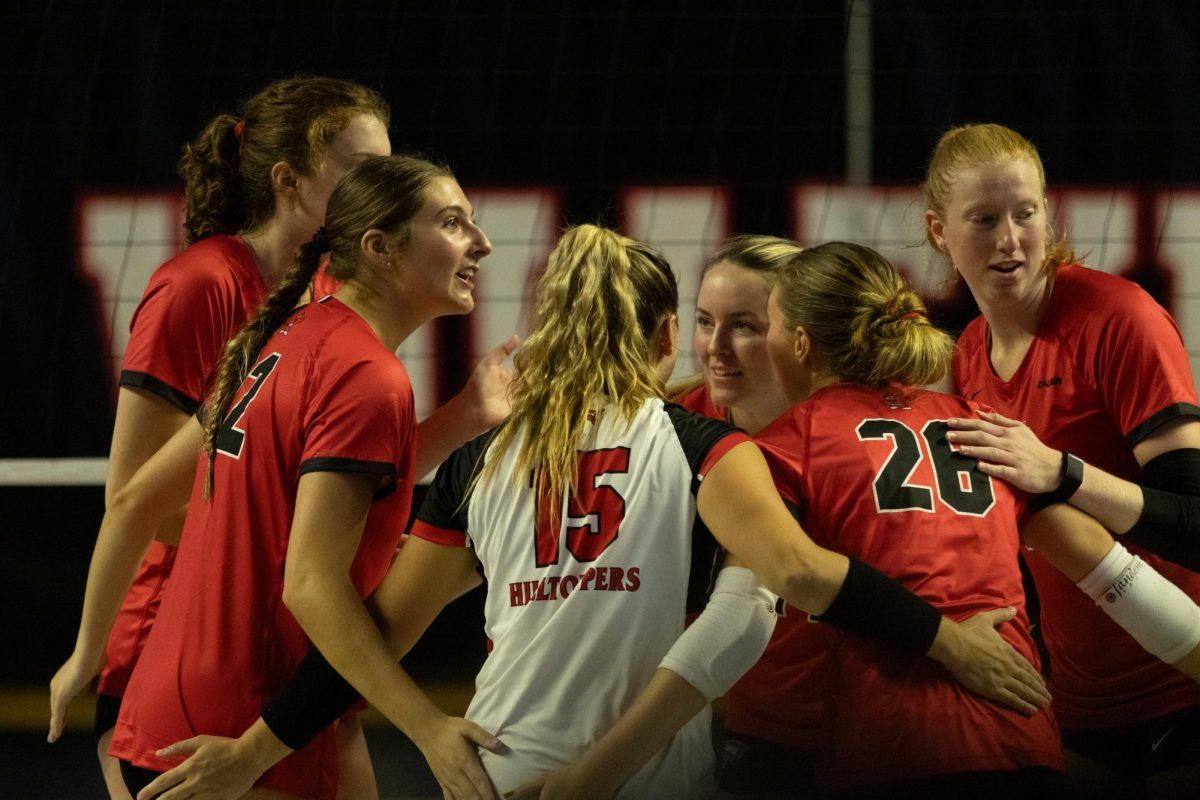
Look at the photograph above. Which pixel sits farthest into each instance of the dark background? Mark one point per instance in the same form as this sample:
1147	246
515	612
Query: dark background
580	95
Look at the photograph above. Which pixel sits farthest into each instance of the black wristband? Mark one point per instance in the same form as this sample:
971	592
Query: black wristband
311	701
1072	479
873	605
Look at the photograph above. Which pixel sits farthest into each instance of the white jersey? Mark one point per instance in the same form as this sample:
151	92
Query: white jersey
585	599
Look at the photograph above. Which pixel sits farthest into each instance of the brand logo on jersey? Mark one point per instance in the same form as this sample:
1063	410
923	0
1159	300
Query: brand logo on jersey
291	323
594	579
1046	384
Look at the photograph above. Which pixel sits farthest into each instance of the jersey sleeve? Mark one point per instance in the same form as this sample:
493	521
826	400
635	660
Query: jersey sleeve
1142	366
176	336
442	517
704	440
363	422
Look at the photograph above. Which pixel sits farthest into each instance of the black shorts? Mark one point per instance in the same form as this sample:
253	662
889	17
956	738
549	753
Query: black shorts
108	708
1144	748
747	765
136	778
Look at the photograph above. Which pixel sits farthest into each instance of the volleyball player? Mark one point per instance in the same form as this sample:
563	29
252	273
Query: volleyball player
865	457
1096	370
306	480
255	187
770	733
583	511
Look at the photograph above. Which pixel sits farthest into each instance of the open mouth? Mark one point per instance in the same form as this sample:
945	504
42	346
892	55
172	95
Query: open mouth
1005	267
467	276
717	372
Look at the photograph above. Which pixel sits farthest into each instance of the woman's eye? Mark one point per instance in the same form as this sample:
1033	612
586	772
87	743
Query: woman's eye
452	223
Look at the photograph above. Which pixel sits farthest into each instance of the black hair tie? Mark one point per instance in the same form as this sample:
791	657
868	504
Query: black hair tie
321	240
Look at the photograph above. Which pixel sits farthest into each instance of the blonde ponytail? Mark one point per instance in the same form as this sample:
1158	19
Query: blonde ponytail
599	303
867	324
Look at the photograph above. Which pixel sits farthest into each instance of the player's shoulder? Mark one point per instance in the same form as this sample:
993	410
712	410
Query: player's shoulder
1080	291
692	424
699	401
211	263
972	339
344	347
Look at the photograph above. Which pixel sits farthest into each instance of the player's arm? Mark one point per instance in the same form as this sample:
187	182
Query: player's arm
720	645
739	503
350	656
1160	512
482	404
144	423
1155	612
160	487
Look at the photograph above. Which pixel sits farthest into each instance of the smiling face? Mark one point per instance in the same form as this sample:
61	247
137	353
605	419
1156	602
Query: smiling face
731	342
440	258
994	231
364	136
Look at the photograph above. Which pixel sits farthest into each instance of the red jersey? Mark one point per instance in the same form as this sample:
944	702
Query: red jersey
874	477
325	395
192	305
781	698
1106	369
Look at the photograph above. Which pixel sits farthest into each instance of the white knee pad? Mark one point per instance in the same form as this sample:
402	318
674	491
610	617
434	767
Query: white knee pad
1154	611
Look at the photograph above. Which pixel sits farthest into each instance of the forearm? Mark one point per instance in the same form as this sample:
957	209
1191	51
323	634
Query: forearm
666	704
1115	503
119	550
447	428
337	622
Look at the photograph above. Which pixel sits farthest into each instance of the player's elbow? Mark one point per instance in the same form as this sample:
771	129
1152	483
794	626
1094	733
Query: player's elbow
801	578
301	592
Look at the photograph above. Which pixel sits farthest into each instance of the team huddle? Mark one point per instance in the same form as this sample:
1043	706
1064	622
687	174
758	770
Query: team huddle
805	529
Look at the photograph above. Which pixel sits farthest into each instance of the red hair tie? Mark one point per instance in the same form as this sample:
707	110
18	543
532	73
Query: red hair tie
911	315
239	128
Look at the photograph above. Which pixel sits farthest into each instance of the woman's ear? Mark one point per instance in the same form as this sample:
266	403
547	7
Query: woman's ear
285	182
936	228
375	246
802	345
668	336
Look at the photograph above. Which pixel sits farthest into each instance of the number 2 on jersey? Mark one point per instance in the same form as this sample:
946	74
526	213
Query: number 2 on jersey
960	484
231	438
594	511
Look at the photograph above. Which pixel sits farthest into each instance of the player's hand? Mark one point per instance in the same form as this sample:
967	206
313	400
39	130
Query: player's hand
216	769
487	389
568	783
71	679
982	661
448	744
1007	449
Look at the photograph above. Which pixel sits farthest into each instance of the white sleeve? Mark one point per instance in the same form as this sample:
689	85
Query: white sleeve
728	637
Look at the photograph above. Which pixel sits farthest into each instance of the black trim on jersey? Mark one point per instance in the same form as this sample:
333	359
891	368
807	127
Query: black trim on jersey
707	558
443	506
141	380
386	472
1160	418
698	435
313	698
